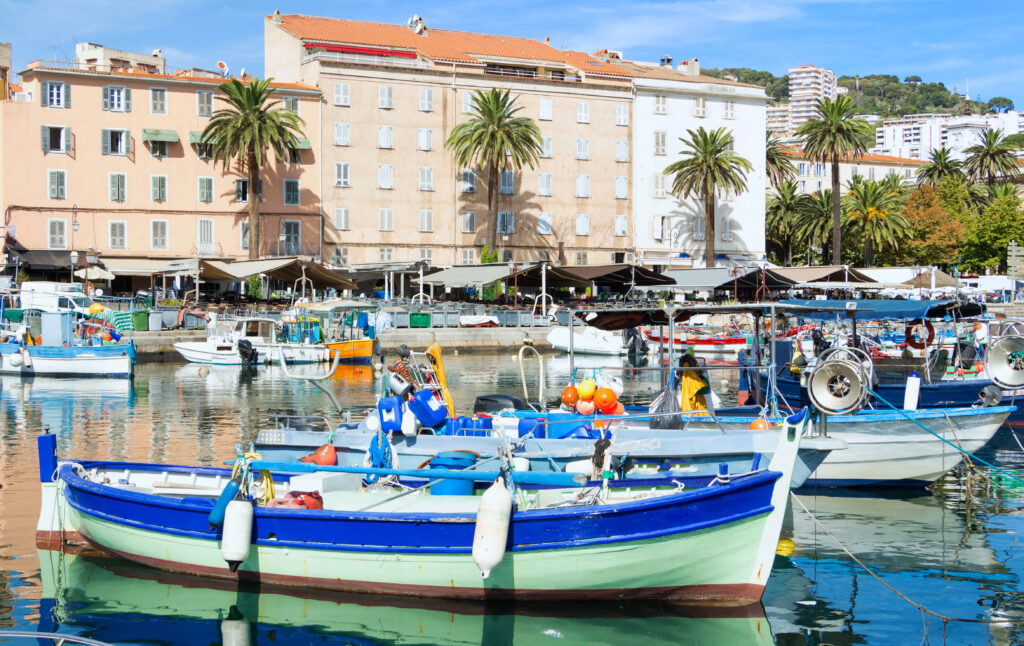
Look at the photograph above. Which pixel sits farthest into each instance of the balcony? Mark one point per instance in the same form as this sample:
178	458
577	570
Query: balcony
366	59
294	248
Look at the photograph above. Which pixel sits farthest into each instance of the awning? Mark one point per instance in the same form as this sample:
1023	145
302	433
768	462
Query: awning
622	275
134	266
95	273
154	134
698	280
284	269
196	137
207	269
724	278
468	275
888	310
44	258
301	143
832	273
554	277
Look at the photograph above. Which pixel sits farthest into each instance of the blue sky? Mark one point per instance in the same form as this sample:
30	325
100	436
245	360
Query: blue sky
944	40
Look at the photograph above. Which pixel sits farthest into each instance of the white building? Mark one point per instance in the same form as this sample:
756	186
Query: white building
807	85
914	136
95	57
814	176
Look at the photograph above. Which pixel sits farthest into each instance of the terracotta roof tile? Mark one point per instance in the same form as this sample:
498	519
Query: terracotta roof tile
171	77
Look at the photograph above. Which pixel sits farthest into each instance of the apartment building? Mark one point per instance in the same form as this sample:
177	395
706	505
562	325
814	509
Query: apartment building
807	85
812	176
916	135
108	159
777	118
91	56
391	96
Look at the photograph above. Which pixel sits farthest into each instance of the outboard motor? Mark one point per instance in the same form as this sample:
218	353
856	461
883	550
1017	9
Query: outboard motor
820	343
635	343
250	355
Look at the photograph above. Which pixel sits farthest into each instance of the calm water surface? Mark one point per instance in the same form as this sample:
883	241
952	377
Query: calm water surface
955	553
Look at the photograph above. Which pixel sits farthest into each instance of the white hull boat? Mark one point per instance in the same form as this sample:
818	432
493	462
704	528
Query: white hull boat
587	340
251	340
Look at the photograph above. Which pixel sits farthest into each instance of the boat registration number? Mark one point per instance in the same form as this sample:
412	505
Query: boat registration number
1019	392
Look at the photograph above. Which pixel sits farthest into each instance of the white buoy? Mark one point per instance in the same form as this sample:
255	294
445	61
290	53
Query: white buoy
14	359
236	538
373	422
491	534
912	391
234	632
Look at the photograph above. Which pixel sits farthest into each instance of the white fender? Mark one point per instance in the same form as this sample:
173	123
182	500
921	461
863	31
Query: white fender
15	360
236	538
234	632
492	519
26	358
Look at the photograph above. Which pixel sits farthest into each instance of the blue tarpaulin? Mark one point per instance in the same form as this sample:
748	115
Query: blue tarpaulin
887	310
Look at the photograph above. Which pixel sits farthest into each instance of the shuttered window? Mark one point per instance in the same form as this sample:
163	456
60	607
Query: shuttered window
506	222
426	178
341	94
621	187
384	137
117	234
507	182
622	114
385	97
426	99
621	226
468	180
583	186
291	192
582	112
117	98
341	177
385	178
582	149
426	139
469	221
544	184
622	151
341	219
341	134
157	100
206	190
204	103
544	113
582	224
545	149
386	219
57	182
158	188
426	220
117	183
57	234
544	223
158	234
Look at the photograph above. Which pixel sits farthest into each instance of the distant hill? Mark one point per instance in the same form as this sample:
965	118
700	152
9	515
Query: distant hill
882	94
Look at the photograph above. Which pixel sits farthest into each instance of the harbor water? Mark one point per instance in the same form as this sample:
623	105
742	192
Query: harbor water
954	550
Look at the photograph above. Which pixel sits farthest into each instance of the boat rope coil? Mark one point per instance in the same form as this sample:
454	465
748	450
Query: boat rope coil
380	455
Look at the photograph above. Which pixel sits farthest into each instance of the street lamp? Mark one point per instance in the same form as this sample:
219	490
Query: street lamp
280	240
74	227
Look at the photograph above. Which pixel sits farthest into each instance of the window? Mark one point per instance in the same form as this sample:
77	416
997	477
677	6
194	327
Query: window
426	99
116	142
582	149
157	100
427	255
426	220
581	257
341	94
907	173
660	148
506	222
291	103
341	174
468	180
803	186
117	234
206	189
242	190
583	186
507	182
425	139
729	109
426	178
384	139
204	236
384	254
54	94
341	219
204	103
582	112
659	186
544	184
819	170
801	168
545	149
56	181
56	139
622	151
697	227
292	230
621	226
544	223
57	238
468	102
506	255
658	227
158	149
469	221
544	113
727	229
385	97
621	188
118	189
158	188
243	241
660	104
204	151
291	192
544	256
385	219
341	255
158	234
117	98
341	134
385	178
871	173
582	224
700	107
622	114
469	256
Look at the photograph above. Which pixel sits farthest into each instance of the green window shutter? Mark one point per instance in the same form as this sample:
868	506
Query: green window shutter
105	141
106	97
67	95
127	142
121	179
154	193
127	99
46	138
44	93
113	188
163	189
67	139
53	185
60	184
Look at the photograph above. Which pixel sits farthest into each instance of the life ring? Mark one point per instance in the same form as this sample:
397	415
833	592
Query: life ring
916	344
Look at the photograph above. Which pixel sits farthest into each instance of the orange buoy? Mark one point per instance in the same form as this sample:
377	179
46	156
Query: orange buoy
570	396
760	424
605	400
106	336
619	409
324	456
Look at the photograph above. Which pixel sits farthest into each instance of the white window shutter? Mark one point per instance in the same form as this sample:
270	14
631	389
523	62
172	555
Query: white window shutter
658	227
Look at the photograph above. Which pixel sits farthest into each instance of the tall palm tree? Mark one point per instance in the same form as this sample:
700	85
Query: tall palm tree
778	163
990	158
833	135
494	139
872	209
782	210
244	130
813	223
709	164
940	166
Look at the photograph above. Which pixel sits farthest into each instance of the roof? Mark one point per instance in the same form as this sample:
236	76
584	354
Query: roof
71	68
823	273
621	274
882	310
469	275
881	159
635	69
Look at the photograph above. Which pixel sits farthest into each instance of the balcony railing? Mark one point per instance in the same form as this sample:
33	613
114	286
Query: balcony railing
366	59
309	249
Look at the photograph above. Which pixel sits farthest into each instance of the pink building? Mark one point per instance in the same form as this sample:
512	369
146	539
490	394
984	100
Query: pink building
108	159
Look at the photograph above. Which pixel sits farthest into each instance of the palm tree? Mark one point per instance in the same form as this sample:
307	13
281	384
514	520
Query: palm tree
940	166
244	130
996	191
709	164
778	164
495	139
835	134
813	222
873	210
990	158
782	211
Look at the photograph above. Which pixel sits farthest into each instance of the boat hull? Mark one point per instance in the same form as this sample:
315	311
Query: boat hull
586	340
74	361
224	355
358	351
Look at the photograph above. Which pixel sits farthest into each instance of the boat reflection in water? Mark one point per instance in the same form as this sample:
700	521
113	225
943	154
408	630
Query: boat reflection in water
109	600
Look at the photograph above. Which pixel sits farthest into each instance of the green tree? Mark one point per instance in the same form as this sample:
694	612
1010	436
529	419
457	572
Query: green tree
493	140
244	131
999	104
833	135
783	207
936	236
813	223
487	256
912	79
940	166
990	159
872	210
954	196
709	165
1015	141
990	234
778	163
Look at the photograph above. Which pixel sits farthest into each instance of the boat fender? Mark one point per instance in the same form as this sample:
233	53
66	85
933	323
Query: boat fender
492	521
912	391
325	456
234	632
15	360
26	358
917	344
226	496
236	536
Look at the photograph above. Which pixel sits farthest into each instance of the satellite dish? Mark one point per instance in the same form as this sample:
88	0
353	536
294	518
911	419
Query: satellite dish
223	67
1005	361
837	387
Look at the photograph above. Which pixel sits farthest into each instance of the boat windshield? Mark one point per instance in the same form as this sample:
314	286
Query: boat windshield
82	301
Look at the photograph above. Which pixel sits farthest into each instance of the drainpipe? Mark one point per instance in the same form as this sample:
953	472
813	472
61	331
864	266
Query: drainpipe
456	173
320	117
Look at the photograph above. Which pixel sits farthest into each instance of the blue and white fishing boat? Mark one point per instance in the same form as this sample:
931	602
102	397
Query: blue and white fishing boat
62	352
712	543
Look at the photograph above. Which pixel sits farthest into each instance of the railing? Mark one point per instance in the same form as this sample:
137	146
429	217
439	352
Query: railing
311	249
366	59
531	74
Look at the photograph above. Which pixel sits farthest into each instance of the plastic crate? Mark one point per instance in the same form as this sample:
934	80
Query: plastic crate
419	319
525	319
400	319
140	320
452	319
437	318
562	317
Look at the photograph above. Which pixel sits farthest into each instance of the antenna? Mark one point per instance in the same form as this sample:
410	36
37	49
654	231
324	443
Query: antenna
241	74
223	67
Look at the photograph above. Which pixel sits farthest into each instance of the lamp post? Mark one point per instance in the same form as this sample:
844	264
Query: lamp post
74	227
91	258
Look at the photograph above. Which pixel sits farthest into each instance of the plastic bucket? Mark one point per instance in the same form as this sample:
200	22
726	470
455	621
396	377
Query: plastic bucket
452	461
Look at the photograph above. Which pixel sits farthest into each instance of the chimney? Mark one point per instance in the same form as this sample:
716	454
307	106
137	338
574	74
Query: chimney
547	40
666	61
277	15
690	67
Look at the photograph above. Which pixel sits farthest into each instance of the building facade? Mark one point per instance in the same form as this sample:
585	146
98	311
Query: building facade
814	176
914	136
807	85
6	78
109	160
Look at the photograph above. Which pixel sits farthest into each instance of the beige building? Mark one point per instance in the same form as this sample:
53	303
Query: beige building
90	56
6	79
814	176
391	96
807	85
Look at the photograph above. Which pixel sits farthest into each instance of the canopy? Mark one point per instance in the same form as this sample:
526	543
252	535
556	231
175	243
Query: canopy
95	273
553	277
469	275
888	310
619	274
301	143
932	278
332	304
44	258
723	278
156	134
287	269
207	269
196	137
832	273
134	266
698	280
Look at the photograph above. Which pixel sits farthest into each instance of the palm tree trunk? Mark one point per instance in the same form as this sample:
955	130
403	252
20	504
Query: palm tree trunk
789	251
492	199
709	229
254	206
836	235
869	254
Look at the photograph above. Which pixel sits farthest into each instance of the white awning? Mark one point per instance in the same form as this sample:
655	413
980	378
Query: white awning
134	266
468	276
